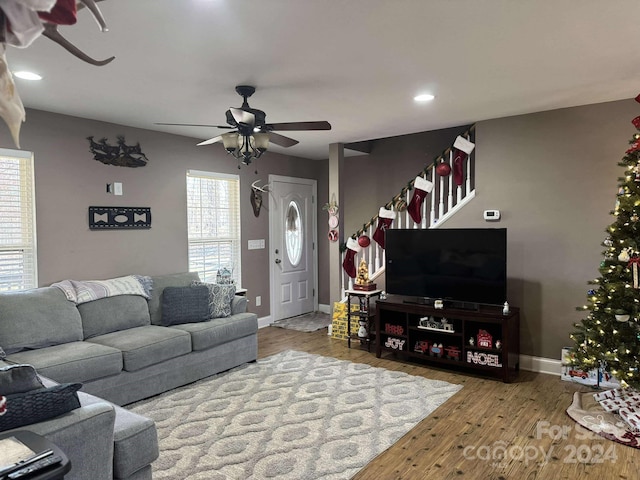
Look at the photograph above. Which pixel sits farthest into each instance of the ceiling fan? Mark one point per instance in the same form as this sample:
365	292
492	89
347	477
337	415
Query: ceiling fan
251	133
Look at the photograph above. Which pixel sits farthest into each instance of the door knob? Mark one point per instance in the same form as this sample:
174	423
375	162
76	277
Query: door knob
278	261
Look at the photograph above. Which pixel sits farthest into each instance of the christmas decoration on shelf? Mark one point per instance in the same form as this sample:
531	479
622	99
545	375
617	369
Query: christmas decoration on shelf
608	338
362	280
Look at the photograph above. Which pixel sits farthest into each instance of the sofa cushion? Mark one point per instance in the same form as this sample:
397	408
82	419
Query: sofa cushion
73	362
38	405
111	314
144	346
185	305
44	315
220	330
160	282
220	297
18	379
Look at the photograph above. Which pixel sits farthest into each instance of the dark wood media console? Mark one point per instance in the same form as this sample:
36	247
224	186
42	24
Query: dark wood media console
418	332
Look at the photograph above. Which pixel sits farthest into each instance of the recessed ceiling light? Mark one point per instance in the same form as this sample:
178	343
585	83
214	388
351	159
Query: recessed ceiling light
27	75
425	97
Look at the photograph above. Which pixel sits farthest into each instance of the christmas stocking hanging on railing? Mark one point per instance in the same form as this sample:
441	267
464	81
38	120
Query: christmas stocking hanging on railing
349	263
385	217
461	149
421	187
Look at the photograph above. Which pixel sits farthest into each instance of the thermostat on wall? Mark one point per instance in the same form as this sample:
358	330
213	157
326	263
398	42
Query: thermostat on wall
492	215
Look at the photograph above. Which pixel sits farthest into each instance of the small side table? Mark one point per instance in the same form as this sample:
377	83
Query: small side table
38	444
365	314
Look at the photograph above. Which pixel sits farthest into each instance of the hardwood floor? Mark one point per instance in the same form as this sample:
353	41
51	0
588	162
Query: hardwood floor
527	418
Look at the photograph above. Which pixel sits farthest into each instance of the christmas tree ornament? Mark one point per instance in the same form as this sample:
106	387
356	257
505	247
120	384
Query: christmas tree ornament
636	122
385	218
443	169
462	148
364	241
608	242
624	255
400	204
421	187
349	263
633	264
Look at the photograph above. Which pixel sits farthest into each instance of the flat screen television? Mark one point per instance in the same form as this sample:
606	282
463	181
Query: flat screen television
464	265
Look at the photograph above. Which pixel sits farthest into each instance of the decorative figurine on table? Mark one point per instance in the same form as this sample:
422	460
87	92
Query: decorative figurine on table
362	280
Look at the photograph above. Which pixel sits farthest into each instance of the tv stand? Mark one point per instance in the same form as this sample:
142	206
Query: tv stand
450	337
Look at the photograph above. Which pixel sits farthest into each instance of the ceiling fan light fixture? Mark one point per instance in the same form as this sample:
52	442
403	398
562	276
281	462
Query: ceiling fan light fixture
261	142
230	142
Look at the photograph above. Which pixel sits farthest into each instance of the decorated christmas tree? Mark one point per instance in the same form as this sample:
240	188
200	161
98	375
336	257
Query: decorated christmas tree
609	337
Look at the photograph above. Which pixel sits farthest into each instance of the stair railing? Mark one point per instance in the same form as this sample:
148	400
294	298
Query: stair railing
444	200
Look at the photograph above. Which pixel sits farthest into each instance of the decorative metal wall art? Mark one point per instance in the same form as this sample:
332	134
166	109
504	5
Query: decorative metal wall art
113	218
121	155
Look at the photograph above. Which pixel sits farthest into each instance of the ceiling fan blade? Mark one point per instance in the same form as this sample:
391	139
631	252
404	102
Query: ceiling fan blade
242	117
298	126
193	125
210	141
281	140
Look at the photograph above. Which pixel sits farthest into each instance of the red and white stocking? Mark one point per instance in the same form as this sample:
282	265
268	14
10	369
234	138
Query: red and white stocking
461	149
349	262
421	187
385	217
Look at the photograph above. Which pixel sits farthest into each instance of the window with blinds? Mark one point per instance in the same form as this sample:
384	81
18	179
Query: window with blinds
213	215
18	269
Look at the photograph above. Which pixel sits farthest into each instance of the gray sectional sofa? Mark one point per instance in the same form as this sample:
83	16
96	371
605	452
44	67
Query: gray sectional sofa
121	352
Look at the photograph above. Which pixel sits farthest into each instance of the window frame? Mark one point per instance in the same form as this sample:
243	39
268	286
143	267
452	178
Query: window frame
235	237
27	203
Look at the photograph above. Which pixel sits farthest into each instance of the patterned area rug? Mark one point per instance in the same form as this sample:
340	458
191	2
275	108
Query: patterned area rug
309	322
290	416
588	413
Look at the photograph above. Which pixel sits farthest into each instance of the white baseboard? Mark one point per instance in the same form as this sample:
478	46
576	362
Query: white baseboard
540	365
266	321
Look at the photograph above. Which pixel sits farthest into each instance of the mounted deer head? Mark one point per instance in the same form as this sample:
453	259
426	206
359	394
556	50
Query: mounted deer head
256	196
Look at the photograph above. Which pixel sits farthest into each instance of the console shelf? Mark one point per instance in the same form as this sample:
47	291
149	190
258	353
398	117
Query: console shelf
448	348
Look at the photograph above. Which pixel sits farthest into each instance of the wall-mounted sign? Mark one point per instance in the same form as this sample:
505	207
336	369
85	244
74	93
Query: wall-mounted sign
113	218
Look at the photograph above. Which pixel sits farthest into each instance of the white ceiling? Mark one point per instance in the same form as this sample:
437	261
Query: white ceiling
354	63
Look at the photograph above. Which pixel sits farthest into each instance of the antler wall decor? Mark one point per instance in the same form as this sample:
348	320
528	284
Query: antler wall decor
256	196
121	155
22	23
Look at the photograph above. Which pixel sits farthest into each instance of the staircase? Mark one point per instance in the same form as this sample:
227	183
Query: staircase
444	200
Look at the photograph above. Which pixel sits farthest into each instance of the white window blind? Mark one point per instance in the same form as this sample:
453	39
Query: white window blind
18	269
213	215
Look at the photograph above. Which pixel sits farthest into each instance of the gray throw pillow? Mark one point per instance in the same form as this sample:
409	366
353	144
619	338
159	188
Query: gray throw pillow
18	379
220	297
185	305
39	405
3	354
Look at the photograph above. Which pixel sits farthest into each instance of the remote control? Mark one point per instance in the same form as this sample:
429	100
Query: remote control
34	467
23	463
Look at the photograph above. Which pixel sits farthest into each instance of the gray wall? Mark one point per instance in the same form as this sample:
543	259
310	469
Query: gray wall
553	175
68	181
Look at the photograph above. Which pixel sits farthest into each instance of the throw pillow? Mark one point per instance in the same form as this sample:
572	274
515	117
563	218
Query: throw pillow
18	379
39	405
220	297
3	354
185	305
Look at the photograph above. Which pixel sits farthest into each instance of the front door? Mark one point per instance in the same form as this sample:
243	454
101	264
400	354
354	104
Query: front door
292	237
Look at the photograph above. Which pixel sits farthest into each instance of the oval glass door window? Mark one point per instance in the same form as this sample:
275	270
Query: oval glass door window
293	234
